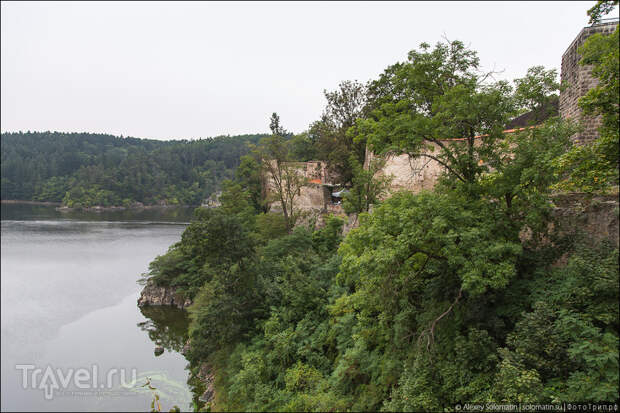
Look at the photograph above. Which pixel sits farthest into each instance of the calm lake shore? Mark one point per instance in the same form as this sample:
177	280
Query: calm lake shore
99	208
17	201
90	263
95	208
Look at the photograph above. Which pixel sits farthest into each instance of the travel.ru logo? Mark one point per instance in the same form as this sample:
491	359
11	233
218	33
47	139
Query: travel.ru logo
51	379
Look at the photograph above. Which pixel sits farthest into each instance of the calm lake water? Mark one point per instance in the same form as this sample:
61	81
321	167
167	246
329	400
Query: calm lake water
69	292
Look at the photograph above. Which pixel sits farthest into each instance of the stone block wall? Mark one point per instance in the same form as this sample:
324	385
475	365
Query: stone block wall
579	79
410	174
596	216
313	195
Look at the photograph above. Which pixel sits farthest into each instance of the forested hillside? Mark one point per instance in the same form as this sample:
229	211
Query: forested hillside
85	169
466	293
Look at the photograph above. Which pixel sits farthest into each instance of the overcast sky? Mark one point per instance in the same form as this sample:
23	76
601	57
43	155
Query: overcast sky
187	70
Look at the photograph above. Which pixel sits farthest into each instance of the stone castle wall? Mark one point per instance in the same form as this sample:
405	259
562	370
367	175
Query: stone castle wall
312	196
596	216
579	80
422	173
419	174
408	174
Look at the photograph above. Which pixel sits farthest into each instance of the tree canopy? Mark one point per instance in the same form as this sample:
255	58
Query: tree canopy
82	169
474	291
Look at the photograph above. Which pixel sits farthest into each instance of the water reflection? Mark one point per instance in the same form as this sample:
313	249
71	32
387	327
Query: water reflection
68	300
43	212
166	326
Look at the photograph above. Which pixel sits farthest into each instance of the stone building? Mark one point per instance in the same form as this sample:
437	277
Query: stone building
422	173
316	193
418	174
579	80
408	174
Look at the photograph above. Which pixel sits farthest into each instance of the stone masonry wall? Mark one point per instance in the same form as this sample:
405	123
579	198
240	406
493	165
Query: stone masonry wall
422	173
579	79
596	216
409	174
312	196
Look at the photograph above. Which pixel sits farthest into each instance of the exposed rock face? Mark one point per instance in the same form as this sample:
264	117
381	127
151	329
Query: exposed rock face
186	348
597	217
352	221
206	376
158	295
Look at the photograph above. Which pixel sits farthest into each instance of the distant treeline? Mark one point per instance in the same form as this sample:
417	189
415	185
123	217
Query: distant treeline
86	169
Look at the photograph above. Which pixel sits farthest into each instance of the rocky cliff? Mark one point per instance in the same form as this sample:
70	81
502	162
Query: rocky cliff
207	378
159	295
597	216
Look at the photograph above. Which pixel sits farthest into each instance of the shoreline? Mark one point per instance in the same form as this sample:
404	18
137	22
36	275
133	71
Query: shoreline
157	295
17	201
95	208
99	208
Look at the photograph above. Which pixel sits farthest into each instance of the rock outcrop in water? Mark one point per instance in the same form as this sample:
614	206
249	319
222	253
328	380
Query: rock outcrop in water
159	350
160	295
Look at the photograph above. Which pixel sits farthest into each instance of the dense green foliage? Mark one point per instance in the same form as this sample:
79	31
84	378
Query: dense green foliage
333	136
601	8
82	169
438	105
462	294
472	292
368	186
432	301
284	179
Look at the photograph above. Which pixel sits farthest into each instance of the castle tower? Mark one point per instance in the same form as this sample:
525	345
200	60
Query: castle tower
580	80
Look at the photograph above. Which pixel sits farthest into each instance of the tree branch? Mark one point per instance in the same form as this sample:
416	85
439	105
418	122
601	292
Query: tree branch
430	333
456	174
